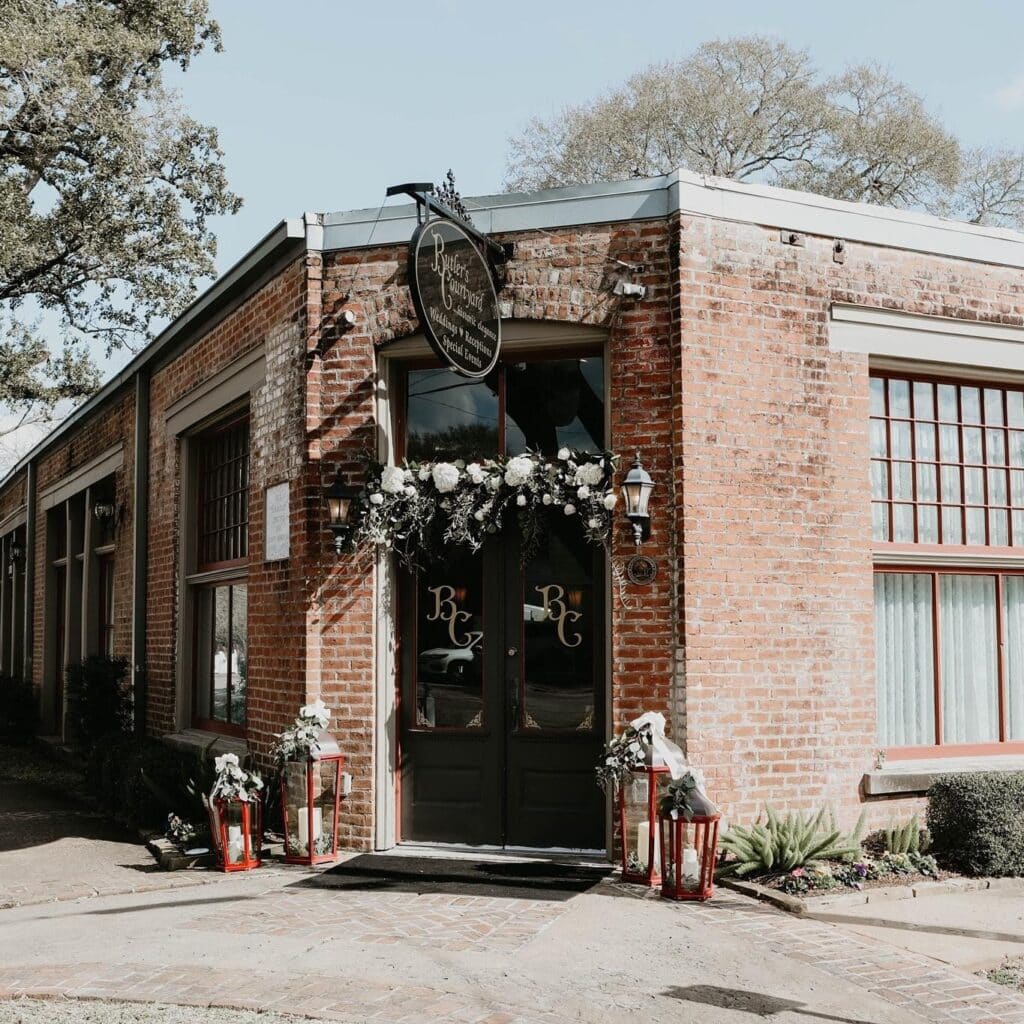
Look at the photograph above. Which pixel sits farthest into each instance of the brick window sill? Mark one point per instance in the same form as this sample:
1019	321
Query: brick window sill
197	740
898	777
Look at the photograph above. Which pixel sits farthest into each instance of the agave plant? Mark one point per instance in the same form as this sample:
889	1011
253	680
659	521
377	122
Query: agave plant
781	844
904	838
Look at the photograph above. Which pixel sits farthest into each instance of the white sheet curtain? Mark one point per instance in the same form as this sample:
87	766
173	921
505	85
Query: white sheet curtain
1013	605
968	659
904	659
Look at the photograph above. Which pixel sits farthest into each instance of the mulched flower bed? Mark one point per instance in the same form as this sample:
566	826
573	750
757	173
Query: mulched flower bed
864	873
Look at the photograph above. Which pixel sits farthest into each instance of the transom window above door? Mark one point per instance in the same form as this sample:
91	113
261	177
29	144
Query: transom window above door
947	463
535	405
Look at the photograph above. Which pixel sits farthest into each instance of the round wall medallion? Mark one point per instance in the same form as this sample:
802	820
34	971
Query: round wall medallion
641	570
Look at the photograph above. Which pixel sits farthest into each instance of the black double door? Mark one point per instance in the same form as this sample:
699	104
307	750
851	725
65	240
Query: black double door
503	694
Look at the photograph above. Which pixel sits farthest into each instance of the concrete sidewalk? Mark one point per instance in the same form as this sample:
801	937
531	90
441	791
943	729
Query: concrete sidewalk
973	930
283	939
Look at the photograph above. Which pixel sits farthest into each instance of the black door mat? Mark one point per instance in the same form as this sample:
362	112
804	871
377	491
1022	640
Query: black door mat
530	880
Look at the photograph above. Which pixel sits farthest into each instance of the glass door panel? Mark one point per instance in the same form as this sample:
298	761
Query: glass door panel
450	644
558	634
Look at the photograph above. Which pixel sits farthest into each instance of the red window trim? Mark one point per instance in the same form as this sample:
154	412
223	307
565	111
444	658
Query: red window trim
940	749
890	502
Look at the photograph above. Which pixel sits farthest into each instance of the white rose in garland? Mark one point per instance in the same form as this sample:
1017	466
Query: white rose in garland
518	470
392	480
446	477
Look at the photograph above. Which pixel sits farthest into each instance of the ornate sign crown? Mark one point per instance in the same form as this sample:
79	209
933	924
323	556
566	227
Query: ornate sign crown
449	195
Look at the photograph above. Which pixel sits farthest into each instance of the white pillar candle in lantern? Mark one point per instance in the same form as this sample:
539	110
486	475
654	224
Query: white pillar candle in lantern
643	838
691	868
234	842
304	825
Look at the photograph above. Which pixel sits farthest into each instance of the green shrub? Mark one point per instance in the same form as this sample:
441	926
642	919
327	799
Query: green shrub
976	821
18	707
782	844
99	701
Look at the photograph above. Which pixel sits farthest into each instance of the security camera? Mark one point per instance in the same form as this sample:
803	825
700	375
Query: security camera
629	289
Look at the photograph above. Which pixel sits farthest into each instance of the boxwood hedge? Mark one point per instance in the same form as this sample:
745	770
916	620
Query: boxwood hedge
976	821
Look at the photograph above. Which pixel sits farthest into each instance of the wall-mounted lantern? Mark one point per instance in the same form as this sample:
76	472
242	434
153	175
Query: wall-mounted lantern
340	497
15	558
104	512
636	491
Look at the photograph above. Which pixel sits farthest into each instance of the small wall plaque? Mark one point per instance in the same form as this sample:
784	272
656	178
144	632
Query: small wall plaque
276	531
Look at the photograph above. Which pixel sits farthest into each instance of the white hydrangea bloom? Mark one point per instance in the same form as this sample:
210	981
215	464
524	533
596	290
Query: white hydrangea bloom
610	500
410	491
376	498
478	515
583	492
521	501
518	470
594	523
424	474
546	499
590	474
446	477
564	453
570	509
475	472
392	480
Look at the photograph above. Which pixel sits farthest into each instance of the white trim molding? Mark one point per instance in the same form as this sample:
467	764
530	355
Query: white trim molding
932	559
13	520
236	380
891	336
79	479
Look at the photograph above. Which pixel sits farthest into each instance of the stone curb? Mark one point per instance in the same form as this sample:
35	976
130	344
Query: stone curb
782	900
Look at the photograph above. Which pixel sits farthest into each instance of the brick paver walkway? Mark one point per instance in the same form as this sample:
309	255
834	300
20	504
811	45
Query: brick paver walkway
932	990
329	998
430	920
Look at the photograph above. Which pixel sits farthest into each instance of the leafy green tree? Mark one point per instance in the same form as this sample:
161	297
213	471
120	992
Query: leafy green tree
106	186
754	108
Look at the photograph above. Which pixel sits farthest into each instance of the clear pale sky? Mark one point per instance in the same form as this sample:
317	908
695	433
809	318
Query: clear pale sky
321	105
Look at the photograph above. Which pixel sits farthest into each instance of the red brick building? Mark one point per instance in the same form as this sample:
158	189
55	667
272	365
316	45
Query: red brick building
829	397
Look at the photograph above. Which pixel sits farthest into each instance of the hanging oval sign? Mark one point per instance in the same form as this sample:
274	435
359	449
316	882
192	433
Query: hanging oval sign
455	299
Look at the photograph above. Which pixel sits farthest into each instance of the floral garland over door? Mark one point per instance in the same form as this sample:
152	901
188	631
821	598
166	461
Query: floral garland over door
418	508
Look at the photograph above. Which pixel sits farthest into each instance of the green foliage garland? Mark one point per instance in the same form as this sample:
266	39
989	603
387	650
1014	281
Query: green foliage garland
419	508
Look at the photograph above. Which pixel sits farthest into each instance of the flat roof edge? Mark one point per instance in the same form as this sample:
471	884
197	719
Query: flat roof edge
685	192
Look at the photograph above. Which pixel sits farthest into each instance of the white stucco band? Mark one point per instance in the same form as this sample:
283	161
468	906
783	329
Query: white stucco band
891	336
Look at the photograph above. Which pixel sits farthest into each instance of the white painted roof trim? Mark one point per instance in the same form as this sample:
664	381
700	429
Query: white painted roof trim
684	192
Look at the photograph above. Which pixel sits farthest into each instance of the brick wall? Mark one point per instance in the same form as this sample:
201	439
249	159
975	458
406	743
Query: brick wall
272	318
774	504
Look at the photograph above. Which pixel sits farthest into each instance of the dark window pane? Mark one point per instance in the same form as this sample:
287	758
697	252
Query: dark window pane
450	417
239	652
555	403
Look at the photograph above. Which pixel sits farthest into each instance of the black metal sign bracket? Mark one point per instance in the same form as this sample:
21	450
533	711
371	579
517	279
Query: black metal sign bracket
427	202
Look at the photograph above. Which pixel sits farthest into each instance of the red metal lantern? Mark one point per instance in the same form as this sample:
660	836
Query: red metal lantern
689	850
638	796
310	804
237	828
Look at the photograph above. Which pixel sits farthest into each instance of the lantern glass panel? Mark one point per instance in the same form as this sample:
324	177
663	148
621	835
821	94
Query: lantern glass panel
324	799
232	821
637	826
296	811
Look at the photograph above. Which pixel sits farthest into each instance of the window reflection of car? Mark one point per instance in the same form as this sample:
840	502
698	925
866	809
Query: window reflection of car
453	664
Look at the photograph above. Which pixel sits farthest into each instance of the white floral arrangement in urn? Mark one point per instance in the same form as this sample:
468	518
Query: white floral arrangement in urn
300	741
233	782
419	507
